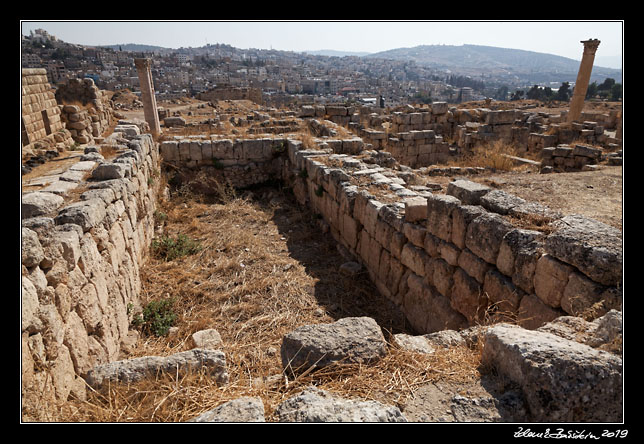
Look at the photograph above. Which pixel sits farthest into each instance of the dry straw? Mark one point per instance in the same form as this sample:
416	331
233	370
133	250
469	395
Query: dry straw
264	269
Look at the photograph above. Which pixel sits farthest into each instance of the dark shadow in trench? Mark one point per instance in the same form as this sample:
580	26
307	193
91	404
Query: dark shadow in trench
338	294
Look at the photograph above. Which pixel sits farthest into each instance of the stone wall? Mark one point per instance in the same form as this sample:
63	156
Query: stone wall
41	124
80	270
85	110
448	260
240	163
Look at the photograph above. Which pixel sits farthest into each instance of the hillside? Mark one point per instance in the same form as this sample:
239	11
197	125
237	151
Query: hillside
475	59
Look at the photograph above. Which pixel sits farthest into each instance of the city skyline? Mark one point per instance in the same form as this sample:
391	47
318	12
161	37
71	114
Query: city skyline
551	37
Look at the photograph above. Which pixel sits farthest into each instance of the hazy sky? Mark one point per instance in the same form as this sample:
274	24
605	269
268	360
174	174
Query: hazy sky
552	37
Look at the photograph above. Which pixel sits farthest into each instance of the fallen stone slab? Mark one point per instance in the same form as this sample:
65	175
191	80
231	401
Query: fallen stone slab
245	409
592	246
132	370
316	405
349	340
562	380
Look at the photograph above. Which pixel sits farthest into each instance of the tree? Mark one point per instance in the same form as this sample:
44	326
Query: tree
592	90
563	93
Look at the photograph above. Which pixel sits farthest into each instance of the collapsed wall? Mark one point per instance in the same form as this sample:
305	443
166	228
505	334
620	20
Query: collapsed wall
447	260
80	269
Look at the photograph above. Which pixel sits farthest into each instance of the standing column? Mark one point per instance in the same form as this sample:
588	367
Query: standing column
147	94
583	77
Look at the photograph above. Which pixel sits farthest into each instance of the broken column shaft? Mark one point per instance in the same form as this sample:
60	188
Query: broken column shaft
147	94
583	77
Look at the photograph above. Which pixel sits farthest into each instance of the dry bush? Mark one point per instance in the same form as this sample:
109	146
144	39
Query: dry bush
491	155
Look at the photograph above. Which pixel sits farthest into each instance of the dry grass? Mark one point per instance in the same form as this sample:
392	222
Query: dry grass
265	269
491	155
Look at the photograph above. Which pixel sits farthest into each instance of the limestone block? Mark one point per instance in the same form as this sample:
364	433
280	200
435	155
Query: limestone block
533	312
440	274
240	410
449	252
397	243
439	108
473	265
466	296
349	340
500	202
432	245
439	215
415	234
562	380
485	234
31	249
39	203
468	192
195	151
415	209
212	361
593	247
580	294
222	149
316	405
501	292
350	229
87	214
550	279
371	209
414	258
207	339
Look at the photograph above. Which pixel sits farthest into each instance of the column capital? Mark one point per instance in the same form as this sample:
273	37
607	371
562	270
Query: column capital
590	46
142	63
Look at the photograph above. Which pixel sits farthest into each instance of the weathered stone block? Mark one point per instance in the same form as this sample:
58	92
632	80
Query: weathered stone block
439	215
39	203
533	312
349	340
562	380
592	246
468	192
485	234
414	258
316	405
87	214
550	279
415	209
466	296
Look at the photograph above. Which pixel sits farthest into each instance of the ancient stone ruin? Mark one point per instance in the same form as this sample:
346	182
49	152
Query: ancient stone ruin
451	260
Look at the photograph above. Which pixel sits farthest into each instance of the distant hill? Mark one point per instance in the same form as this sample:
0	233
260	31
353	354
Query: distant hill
334	53
493	60
135	47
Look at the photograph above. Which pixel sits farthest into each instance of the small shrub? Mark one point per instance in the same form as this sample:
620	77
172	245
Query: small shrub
157	317
169	248
320	191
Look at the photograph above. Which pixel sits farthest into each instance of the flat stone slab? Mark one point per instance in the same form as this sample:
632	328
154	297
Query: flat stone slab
349	340
60	187
316	405
131	370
